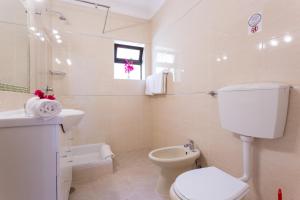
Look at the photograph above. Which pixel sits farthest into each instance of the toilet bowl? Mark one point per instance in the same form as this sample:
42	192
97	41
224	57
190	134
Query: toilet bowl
208	183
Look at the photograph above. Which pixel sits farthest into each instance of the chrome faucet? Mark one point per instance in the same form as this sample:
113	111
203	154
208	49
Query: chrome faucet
190	145
49	90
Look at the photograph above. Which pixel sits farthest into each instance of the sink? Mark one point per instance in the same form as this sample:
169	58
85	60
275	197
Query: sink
172	161
68	117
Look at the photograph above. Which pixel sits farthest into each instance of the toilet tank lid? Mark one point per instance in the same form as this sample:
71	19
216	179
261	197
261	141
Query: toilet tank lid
255	86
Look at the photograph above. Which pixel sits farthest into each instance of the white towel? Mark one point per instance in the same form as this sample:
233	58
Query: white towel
43	108
149	86
29	106
158	83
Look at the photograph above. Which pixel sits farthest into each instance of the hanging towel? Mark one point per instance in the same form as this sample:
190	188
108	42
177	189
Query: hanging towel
149	86
43	108
156	84
159	83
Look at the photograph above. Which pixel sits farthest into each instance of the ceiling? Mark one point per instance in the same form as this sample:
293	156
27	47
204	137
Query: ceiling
144	9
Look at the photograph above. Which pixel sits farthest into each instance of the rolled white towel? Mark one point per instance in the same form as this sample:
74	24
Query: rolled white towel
30	104
43	108
47	108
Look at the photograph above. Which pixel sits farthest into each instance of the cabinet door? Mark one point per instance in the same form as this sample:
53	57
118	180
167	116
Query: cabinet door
65	165
28	163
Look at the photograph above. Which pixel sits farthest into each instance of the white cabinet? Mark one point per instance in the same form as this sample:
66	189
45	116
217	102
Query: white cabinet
28	168
65	165
35	157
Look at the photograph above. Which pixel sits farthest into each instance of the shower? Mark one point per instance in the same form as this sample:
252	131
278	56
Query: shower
58	14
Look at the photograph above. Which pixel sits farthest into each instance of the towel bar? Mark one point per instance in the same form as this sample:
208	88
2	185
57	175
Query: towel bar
212	93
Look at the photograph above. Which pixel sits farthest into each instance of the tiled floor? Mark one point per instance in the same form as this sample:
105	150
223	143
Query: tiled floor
134	179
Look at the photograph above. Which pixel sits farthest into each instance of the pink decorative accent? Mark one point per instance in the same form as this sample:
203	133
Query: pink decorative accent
128	66
50	97
42	95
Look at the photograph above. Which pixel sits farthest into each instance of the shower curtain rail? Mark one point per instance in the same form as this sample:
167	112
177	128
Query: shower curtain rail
98	5
93	3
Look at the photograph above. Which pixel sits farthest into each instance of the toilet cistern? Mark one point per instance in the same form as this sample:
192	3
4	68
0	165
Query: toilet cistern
253	111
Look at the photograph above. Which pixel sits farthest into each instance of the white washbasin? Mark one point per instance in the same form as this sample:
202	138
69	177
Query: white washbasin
68	117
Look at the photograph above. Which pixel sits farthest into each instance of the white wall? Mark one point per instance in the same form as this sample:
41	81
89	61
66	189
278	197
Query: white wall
117	112
197	33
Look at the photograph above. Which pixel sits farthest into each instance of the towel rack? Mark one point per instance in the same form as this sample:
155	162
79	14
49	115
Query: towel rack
212	93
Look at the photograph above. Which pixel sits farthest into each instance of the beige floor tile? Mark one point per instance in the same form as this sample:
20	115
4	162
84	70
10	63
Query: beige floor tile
135	178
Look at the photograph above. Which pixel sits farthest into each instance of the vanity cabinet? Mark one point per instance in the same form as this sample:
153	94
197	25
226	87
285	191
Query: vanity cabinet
65	165
36	157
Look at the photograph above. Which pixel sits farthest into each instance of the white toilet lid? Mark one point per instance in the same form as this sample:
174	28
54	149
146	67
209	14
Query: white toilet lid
209	183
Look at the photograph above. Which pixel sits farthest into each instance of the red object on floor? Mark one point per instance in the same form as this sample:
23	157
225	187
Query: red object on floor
279	194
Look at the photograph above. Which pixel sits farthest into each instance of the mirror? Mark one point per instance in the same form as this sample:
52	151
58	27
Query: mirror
14	47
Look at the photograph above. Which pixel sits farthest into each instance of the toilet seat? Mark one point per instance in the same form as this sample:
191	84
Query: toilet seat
209	184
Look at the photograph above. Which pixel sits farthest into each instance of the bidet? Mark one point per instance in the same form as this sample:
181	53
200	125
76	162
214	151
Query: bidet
173	161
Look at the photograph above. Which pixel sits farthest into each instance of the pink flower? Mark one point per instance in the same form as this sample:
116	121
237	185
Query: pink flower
128	66
50	97
40	94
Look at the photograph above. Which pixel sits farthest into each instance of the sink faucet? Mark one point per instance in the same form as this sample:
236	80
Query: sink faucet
48	90
190	145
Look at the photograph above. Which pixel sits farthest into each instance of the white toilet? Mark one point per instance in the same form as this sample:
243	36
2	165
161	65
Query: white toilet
252	111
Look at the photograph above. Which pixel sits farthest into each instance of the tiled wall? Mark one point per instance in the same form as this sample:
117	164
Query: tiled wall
12	100
117	112
197	33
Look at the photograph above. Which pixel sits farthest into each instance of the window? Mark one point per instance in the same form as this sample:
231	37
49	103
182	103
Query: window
132	55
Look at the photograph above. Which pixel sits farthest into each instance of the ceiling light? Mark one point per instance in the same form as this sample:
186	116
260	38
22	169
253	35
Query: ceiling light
287	38
32	28
261	45
57	36
38	34
59	41
57	61
274	42
42	39
224	57
69	62
54	31
218	59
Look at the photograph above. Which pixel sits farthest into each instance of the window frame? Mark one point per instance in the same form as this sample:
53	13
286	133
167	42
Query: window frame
123	60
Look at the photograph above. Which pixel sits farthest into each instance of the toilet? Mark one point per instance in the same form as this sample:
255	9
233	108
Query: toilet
251	111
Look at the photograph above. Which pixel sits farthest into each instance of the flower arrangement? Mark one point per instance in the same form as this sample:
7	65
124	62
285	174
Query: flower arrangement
128	66
42	95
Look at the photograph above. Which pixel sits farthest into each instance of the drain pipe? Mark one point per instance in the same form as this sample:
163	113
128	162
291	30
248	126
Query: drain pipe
247	157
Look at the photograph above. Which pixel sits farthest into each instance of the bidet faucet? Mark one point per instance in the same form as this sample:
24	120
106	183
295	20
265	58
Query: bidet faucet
190	145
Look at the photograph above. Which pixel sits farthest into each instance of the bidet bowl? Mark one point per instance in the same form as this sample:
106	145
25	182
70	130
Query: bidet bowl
174	156
172	161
